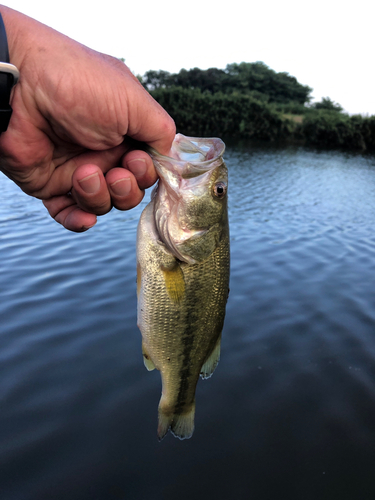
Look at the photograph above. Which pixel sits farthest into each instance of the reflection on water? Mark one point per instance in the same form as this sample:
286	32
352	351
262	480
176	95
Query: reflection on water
290	410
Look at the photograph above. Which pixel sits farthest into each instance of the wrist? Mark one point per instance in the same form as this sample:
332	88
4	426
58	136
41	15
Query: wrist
8	78
14	21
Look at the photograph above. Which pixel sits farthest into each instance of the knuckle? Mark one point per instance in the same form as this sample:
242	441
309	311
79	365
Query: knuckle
130	202
96	208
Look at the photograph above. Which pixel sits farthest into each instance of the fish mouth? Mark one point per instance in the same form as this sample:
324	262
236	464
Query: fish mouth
192	149
190	157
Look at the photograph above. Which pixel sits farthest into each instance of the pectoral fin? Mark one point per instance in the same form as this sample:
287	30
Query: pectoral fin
174	282
211	362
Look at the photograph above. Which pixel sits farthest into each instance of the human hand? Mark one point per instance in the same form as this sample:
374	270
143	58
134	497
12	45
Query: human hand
75	115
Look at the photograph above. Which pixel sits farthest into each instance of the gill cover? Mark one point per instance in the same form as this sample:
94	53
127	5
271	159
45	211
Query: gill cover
190	198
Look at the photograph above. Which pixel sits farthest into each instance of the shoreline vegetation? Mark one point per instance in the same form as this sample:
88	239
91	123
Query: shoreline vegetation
252	101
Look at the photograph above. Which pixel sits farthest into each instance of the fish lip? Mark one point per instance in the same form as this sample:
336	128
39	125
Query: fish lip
215	152
181	168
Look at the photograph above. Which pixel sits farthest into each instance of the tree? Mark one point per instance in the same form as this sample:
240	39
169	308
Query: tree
152	79
279	87
255	79
327	103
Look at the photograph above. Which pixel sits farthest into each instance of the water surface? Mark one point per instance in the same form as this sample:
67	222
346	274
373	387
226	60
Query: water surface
290	410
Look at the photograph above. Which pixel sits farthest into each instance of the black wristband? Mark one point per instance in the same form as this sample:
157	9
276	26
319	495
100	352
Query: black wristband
8	78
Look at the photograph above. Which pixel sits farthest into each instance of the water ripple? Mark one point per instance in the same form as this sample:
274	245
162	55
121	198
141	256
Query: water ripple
291	406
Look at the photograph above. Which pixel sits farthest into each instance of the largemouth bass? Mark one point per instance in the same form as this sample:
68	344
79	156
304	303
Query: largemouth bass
183	274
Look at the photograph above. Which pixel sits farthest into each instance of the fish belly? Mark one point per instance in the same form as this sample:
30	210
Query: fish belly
181	312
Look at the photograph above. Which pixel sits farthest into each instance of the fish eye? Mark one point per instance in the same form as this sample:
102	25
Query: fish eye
220	189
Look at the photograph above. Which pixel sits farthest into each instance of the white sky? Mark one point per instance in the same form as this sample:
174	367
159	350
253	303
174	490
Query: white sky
326	44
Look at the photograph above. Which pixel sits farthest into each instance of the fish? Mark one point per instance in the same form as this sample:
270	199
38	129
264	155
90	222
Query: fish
183	261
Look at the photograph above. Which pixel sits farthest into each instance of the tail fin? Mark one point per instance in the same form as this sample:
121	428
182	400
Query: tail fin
181	425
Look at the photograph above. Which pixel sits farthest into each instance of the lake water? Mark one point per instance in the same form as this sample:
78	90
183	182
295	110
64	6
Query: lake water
290	410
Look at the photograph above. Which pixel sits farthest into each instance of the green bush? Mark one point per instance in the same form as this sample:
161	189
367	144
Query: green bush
331	129
368	132
226	115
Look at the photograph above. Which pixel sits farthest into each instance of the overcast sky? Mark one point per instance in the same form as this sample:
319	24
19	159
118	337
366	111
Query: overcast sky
326	44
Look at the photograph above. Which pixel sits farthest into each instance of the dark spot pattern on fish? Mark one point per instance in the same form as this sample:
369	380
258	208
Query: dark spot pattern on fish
187	340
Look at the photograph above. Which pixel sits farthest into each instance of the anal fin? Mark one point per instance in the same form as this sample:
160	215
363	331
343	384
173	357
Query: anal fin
147	360
212	361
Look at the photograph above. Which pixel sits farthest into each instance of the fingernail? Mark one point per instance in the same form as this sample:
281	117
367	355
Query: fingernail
85	228
121	187
138	167
90	184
